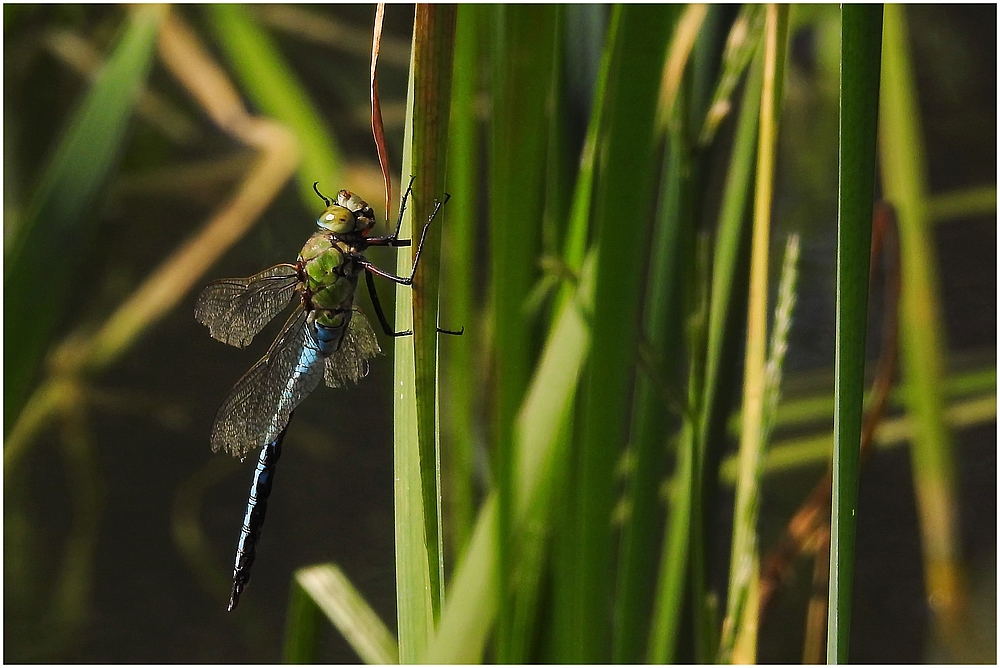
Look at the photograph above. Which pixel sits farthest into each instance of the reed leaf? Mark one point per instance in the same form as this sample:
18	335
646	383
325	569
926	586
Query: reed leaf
419	553
861	45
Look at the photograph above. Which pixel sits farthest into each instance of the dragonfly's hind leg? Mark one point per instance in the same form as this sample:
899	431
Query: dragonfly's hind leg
370	269
386	327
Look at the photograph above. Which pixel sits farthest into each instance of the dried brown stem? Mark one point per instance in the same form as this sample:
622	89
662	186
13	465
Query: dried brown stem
378	130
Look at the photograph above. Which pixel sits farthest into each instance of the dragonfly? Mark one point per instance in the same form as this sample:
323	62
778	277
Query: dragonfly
326	337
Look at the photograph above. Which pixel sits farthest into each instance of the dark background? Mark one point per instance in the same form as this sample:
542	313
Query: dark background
332	500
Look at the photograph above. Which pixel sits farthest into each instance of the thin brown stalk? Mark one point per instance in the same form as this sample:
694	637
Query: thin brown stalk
815	641
378	129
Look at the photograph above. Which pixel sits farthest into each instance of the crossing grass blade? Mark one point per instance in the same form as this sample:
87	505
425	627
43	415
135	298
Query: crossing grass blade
471	606
325	588
275	88
69	186
922	332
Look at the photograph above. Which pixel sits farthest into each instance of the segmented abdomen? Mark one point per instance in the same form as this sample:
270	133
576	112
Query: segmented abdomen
260	489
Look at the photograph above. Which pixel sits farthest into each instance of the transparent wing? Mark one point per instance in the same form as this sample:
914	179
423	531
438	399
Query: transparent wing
235	309
350	362
258	408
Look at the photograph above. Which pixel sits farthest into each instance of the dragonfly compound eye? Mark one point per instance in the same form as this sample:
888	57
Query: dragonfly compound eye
337	219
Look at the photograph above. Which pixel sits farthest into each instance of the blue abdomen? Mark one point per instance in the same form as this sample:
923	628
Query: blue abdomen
260	489
329	338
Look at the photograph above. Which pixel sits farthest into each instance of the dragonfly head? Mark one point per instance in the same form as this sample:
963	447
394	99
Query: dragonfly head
348	215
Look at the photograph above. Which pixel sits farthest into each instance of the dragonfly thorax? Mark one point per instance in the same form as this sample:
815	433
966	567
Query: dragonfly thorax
328	272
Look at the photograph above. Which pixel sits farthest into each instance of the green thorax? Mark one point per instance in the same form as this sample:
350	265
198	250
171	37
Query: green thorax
330	275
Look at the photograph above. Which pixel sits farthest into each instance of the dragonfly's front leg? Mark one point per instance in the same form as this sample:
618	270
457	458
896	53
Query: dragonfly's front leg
393	239
367	264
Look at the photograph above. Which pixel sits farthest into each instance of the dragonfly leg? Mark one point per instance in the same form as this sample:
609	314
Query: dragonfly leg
386	327
393	239
416	258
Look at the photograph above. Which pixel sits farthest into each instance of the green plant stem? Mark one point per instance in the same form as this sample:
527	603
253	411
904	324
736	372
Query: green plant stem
861	43
458	274
419	553
921	331
740	636
522	58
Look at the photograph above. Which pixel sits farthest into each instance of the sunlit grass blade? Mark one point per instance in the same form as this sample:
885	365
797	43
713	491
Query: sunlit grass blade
419	556
861	44
471	606
327	587
274	87
69	186
905	183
